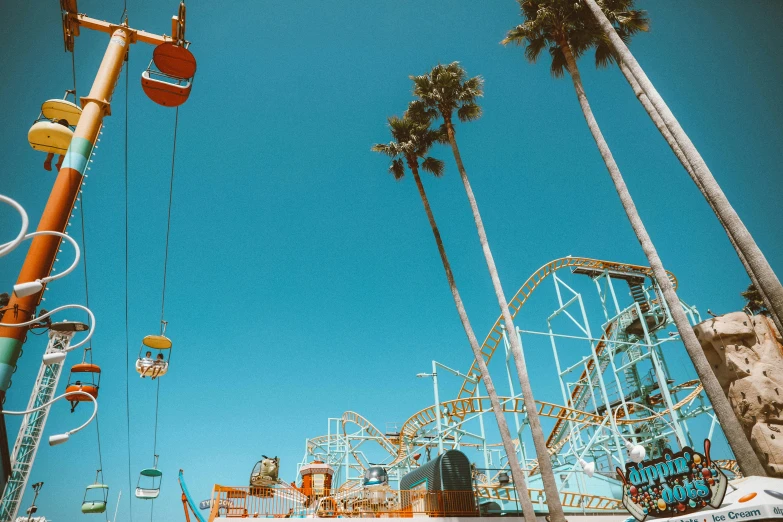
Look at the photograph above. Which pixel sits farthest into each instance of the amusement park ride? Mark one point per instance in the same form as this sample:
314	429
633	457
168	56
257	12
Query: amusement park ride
620	398
620	403
71	130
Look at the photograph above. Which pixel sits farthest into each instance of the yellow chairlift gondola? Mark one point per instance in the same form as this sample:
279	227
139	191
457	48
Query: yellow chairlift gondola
157	364
148	485
96	496
170	84
52	132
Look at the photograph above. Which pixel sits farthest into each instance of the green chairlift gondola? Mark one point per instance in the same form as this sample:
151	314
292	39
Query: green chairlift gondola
148	486
95	496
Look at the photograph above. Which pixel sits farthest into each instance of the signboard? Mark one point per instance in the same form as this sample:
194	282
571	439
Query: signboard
673	485
207	504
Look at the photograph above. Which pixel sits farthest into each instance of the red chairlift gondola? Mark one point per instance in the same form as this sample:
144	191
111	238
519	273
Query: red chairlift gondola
84	377
170	84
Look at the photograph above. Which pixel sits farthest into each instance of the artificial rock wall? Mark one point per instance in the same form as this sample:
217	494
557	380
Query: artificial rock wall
746	353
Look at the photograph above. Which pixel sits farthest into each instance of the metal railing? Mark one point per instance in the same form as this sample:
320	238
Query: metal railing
249	502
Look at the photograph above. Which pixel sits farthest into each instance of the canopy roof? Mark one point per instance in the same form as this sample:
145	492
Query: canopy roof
158	342
85	368
151	472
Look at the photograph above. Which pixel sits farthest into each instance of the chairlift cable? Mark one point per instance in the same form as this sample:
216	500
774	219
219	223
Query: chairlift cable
86	283
127	352
168	223
155	443
87	304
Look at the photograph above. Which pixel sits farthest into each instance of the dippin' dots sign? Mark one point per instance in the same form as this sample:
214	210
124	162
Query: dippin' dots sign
673	485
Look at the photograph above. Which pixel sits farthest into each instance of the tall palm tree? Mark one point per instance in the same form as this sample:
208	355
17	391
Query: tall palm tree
568	30
411	141
669	137
757	266
444	91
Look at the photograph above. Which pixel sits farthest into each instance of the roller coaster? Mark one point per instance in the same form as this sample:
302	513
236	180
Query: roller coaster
615	386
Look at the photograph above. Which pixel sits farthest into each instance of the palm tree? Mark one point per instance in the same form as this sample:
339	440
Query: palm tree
441	93
411	140
667	135
568	30
757	266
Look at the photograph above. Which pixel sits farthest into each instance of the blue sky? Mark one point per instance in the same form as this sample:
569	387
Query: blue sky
303	281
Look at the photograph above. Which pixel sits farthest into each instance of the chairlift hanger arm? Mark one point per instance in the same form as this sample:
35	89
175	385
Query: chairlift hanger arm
134	35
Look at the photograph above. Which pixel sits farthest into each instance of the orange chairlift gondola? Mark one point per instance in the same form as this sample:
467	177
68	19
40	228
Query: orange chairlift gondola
84	377
52	131
170	84
149	365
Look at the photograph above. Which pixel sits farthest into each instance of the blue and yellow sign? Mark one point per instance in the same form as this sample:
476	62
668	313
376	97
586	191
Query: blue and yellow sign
672	485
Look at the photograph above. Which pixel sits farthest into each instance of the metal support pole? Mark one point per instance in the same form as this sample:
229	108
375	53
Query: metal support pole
43	249
437	408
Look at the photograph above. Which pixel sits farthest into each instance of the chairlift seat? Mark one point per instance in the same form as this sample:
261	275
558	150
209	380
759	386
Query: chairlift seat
151	367
147	493
86	388
163	92
48	136
157	342
98	505
174	60
62	110
93	506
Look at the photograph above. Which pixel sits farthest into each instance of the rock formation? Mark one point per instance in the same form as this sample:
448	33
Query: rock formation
746	353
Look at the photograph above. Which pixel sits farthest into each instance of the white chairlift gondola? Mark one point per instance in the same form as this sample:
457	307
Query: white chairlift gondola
148	485
52	131
154	365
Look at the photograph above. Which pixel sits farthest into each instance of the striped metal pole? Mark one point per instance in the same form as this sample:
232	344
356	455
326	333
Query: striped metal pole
43	249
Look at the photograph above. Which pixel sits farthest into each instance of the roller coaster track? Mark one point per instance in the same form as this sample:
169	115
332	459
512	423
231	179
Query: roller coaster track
462	407
495	335
567	498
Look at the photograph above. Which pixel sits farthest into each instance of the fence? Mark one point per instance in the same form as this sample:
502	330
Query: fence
249	502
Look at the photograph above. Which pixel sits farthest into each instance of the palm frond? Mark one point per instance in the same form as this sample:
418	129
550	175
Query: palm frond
397	169
444	90
604	54
534	48
554	23
433	166
559	64
469	112
388	149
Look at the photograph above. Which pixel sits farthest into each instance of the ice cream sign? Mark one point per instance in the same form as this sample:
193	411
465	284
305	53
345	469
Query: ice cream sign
673	485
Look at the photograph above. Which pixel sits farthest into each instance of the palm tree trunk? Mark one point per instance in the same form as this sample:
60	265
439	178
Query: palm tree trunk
768	284
667	135
746	457
505	434
542	452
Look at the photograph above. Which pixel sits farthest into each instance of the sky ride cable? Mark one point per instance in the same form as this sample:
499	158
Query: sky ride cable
88	348
127	352
163	322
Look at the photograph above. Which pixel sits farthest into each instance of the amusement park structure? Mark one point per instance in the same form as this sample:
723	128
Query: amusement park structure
622	400
71	130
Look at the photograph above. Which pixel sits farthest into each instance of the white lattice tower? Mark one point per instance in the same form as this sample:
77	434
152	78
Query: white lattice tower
31	430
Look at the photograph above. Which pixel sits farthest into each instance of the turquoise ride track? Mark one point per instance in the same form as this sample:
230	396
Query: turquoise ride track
192	505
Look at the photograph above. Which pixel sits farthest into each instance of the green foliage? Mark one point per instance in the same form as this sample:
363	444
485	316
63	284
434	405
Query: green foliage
412	138
754	302
444	90
554	24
